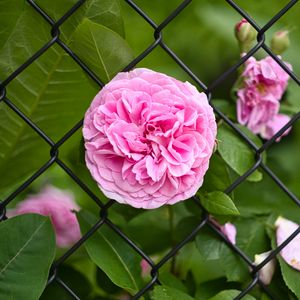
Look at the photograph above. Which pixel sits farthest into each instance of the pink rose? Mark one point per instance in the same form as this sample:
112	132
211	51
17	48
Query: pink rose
59	206
264	83
148	139
291	252
229	231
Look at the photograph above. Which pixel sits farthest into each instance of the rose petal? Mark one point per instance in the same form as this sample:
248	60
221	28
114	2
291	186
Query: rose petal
229	231
267	271
291	252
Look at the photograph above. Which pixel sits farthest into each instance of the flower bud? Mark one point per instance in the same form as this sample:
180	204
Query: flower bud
267	271
229	231
245	34
145	267
280	42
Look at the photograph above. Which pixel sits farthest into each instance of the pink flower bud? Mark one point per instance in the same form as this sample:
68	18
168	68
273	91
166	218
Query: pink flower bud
229	231
291	252
280	42
267	271
245	34
145	267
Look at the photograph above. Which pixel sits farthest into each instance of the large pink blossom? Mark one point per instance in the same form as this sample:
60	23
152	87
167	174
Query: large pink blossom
149	138
263	85
59	206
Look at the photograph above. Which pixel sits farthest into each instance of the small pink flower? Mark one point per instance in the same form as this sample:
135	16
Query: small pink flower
264	83
291	252
274	125
59	206
229	230
145	267
148	139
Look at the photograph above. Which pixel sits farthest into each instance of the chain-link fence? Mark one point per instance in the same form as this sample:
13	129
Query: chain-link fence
104	208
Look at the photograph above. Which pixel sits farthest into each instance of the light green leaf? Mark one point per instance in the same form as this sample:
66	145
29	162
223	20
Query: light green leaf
218	203
168	293
170	280
229	295
53	91
25	256
112	254
103	50
236	153
190	260
208	244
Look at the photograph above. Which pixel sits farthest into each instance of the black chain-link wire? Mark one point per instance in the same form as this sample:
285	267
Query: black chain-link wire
104	208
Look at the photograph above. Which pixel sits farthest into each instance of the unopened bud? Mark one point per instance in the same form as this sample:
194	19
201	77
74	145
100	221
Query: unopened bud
267	271
245	34
280	42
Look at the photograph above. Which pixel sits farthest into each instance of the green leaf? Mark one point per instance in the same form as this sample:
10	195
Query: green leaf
185	226
26	254
190	260
105	283
104	12
217	177
103	50
10	12
236	153
218	203
208	244
170	280
229	295
74	279
227	107
54	92
251	236
112	254
153	224
168	293
208	289
234	267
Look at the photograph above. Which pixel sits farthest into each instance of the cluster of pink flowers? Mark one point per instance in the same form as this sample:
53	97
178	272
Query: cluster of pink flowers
263	85
149	138
60	207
